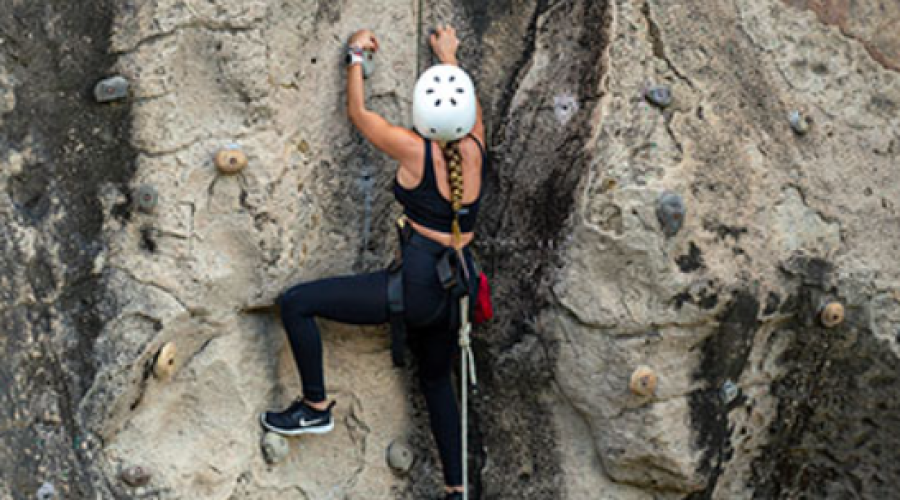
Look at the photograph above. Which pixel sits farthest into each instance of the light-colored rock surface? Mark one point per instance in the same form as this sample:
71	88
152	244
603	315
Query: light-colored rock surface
756	195
754	399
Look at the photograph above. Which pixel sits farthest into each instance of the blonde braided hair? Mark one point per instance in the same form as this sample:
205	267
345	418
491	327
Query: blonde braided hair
455	171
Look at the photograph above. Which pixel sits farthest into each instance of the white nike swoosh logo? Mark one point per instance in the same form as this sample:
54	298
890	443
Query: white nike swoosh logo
307	423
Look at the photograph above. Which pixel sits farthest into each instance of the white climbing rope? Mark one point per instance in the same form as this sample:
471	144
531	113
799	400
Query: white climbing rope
468	370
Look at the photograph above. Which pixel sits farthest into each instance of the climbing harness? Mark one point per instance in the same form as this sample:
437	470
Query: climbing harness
396	307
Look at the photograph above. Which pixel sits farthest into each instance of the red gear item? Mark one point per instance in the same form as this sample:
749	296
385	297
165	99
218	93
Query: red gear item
484	309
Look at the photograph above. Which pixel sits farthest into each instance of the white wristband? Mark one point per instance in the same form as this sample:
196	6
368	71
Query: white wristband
354	56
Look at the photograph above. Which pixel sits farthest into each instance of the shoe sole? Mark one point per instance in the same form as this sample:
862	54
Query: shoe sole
319	429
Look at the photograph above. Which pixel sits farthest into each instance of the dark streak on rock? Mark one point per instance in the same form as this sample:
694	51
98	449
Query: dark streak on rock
772	302
529	171
835	432
723	357
692	261
57	51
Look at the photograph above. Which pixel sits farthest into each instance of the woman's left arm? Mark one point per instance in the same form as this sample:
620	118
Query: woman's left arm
397	142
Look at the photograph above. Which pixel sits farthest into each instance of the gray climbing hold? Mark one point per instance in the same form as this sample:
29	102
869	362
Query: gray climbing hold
145	197
659	95
275	448
729	392
46	492
799	122
564	107
400	456
670	211
111	89
368	63
135	476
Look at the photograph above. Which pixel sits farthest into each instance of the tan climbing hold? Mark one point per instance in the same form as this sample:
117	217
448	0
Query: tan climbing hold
165	362
231	160
643	381
832	314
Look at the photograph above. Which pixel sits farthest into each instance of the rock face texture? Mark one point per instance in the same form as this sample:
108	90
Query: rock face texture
132	368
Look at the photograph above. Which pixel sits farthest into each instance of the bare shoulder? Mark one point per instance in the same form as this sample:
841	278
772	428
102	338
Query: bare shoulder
411	167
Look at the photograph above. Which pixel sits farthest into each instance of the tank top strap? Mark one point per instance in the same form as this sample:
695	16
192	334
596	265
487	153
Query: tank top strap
484	156
480	148
429	176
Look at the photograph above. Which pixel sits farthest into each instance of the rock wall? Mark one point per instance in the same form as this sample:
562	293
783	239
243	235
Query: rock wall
755	397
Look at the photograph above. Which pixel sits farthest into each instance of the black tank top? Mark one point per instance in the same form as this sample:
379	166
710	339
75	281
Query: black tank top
425	205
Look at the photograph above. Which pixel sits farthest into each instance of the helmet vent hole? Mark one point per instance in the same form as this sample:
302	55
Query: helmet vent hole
452	78
458	130
437	79
453	101
460	91
437	103
429	91
433	131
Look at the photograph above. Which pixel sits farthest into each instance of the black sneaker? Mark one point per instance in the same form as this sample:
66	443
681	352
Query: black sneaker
456	495
298	419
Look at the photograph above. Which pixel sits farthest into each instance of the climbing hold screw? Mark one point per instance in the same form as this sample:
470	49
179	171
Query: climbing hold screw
400	456
643	381
670	211
231	159
111	89
146	198
46	492
165	362
799	122
659	95
832	314
135	476
368	63
275	448
729	392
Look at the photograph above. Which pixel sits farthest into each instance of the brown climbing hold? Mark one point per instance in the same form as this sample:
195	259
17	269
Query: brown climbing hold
643	381
832	314
231	160
165	362
135	476
607	185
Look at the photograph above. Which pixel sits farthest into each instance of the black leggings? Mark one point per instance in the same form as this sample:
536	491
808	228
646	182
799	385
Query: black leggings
362	300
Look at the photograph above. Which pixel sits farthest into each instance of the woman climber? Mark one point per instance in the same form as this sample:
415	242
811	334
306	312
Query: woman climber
438	183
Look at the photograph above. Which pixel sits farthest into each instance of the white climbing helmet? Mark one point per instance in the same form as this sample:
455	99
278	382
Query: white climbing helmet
444	106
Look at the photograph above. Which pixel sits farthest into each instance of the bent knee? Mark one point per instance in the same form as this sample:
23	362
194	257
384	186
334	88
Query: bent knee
296	300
